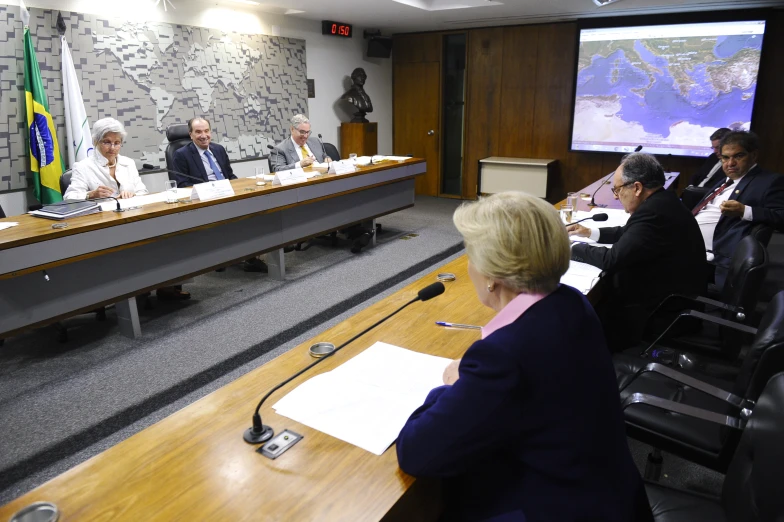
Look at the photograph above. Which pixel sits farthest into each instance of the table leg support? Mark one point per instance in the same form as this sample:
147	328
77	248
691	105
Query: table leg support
371	225
276	264
128	318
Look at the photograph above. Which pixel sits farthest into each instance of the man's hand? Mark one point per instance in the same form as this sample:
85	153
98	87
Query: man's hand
307	162
451	375
126	194
578	230
732	208
100	192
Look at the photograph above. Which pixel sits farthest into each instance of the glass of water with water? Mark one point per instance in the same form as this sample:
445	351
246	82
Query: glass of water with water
567	211
171	191
353	157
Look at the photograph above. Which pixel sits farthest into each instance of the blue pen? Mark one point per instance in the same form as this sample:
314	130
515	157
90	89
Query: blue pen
458	325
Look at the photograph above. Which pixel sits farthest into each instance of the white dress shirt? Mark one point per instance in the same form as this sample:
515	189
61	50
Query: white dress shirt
708	217
92	172
204	161
297	148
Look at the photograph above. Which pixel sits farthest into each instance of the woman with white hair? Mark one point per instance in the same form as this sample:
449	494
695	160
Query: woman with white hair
105	173
528	425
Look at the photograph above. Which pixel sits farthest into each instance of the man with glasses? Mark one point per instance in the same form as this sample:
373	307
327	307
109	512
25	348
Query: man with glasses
657	253
299	151
710	171
744	197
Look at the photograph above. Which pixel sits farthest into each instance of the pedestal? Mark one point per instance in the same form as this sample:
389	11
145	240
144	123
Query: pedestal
359	138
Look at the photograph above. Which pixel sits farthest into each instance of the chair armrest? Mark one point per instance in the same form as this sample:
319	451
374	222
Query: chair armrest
703	317
688	380
701	299
683	409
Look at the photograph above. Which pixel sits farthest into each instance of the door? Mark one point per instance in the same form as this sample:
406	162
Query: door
416	106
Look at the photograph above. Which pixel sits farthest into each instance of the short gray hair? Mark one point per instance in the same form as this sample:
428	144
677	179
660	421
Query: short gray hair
516	239
106	125
642	167
298	120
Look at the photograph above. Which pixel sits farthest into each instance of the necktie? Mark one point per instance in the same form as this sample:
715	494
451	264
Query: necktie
305	153
713	195
214	166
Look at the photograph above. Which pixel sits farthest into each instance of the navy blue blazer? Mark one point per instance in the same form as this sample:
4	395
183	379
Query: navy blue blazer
188	161
763	191
532	430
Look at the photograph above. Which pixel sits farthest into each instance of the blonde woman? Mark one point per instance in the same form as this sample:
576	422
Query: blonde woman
528	423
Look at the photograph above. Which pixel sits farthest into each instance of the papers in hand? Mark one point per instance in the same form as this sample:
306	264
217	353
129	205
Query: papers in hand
367	400
581	276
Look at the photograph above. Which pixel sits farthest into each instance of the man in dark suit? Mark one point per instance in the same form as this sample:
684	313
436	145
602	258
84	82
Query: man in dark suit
746	197
710	172
657	253
300	150
208	161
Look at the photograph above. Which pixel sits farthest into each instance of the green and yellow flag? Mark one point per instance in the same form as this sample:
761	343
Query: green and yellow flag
45	160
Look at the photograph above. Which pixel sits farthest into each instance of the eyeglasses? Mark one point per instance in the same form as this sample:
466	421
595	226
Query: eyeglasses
616	190
109	144
303	133
737	157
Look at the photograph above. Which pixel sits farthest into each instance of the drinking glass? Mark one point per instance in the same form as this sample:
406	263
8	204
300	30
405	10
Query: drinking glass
171	191
260	173
571	199
353	157
566	213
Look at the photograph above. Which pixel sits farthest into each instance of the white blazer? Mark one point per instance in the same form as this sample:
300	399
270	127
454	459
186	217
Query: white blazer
92	172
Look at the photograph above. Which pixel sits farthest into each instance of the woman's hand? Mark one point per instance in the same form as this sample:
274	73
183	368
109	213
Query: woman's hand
451	375
127	194
100	192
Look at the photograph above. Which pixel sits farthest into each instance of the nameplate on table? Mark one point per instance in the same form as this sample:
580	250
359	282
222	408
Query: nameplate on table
342	167
212	190
289	177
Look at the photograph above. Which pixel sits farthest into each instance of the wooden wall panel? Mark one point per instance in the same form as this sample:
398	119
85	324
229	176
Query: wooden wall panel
483	102
769	109
518	91
416	48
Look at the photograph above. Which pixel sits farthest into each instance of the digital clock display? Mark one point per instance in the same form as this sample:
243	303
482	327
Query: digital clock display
336	29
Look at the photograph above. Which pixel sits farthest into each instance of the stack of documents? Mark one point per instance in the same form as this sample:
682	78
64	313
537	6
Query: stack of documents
367	400
8	224
67	210
581	276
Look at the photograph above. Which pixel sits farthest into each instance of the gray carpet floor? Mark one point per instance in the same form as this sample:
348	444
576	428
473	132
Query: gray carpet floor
61	404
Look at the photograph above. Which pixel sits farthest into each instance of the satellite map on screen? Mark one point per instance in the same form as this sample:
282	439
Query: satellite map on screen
665	87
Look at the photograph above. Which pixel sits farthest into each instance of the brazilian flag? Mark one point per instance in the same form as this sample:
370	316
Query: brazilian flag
45	160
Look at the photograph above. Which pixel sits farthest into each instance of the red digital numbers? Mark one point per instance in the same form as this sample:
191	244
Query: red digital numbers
334	28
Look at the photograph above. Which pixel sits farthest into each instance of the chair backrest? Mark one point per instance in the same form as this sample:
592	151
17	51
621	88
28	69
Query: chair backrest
65	181
178	136
692	195
747	271
762	233
753	490
765	356
2	214
332	151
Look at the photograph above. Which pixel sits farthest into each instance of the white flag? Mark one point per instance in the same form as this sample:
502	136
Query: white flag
77	127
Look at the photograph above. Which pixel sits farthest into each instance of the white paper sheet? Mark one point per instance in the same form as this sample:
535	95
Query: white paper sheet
367	400
581	276
140	201
8	224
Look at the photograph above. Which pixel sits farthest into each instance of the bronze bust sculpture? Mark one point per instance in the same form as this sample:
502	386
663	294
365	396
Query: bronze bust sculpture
357	96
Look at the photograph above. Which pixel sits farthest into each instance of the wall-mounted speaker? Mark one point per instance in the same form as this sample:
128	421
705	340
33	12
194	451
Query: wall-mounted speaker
379	47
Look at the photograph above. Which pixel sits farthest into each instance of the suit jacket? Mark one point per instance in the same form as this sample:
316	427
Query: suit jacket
284	156
188	160
532	430
763	191
705	169
660	251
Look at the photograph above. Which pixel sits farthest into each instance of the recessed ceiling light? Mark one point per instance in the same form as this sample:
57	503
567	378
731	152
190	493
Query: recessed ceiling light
601	3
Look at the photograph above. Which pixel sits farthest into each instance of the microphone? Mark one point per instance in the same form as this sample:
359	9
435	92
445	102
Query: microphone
152	167
597	217
638	149
260	432
273	149
603	183
323	149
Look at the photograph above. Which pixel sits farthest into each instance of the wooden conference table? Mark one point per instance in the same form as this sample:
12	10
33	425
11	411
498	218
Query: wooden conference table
47	274
195	465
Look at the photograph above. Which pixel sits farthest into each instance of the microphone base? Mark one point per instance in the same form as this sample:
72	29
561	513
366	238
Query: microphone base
257	438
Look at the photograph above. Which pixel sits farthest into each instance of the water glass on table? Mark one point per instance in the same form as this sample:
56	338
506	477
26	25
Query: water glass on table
567	211
353	157
572	198
171	191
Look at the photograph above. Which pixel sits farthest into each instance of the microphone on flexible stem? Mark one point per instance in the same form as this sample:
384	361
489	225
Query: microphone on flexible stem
322	148
194	178
273	149
593	196
260	432
638	149
597	217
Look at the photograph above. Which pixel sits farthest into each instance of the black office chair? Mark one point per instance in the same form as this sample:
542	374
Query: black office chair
736	301
65	181
753	489
178	136
332	151
692	195
697	439
2	214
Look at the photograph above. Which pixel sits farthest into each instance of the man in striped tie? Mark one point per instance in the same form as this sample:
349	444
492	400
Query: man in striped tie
300	150
746	197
